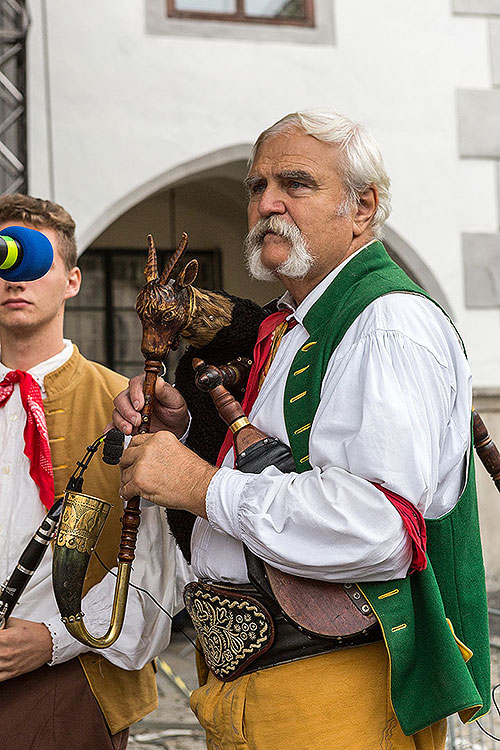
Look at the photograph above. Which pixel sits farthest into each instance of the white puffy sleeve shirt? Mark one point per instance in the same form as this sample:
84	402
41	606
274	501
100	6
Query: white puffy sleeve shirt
395	409
158	566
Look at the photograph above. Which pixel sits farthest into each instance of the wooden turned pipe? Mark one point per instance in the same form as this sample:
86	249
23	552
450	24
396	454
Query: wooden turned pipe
486	449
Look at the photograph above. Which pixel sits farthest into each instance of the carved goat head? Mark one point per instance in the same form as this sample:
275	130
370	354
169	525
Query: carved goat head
164	304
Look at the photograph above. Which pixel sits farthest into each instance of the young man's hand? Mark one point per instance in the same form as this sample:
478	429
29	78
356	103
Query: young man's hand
24	646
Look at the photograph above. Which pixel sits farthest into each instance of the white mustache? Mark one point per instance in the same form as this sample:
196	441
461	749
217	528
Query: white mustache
276	225
299	260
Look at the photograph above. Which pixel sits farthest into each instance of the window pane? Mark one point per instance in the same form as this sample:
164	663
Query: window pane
207	6
275	8
92	291
128	334
127	278
86	329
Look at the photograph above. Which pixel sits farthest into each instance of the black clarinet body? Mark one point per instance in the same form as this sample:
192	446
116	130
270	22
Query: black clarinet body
11	590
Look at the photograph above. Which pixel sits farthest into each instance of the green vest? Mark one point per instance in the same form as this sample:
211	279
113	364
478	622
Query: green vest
427	617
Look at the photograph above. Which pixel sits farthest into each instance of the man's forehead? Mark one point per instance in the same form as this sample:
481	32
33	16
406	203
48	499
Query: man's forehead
295	151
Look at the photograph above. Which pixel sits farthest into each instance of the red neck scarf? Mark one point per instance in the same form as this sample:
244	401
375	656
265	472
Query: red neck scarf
261	353
36	437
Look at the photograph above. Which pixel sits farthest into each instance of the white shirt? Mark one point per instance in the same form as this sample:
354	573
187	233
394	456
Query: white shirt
157	565
395	409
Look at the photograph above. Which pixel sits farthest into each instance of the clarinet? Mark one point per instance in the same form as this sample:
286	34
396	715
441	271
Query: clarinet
32	555
30	559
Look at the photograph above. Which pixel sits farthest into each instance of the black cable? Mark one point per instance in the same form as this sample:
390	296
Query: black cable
497	739
145	591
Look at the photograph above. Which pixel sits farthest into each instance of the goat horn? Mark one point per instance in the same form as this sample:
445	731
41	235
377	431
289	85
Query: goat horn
151	269
173	260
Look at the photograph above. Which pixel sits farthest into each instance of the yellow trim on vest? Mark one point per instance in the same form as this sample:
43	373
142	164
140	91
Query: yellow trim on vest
296	398
303	460
56	440
62	466
385	642
399	627
389	593
302	429
302	369
54	411
308	346
466	652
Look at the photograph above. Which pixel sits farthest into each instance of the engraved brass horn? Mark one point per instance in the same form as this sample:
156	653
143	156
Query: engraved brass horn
165	307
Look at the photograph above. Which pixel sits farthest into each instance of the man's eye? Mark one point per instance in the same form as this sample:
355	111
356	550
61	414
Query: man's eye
256	188
296	185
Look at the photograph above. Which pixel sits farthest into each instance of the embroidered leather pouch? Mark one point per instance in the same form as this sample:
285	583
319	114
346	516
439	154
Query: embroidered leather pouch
232	627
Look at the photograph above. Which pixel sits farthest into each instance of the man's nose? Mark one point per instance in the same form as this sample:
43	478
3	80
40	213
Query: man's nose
14	285
271	202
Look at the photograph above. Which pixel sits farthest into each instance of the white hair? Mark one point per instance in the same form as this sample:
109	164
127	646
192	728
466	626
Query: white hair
360	159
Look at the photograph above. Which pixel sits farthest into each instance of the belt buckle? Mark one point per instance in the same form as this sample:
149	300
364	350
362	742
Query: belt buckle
233	629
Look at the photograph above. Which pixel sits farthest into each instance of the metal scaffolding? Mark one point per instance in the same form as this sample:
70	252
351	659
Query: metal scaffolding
14	22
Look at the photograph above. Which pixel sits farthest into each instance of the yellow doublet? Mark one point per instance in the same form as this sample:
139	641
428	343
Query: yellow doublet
336	701
78	406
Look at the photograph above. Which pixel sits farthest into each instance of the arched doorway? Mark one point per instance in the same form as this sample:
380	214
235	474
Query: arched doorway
206	199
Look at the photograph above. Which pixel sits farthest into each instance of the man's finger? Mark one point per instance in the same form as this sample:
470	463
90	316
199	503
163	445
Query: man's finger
121	424
130	454
136	393
128	490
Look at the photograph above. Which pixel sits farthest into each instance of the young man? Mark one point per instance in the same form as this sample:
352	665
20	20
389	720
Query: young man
371	390
55	692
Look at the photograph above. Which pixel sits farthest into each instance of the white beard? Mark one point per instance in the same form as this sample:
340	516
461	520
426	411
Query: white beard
299	261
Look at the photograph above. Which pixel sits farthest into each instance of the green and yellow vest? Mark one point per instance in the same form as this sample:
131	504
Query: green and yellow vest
434	622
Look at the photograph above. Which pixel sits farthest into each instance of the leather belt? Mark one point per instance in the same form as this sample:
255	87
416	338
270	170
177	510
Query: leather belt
240	633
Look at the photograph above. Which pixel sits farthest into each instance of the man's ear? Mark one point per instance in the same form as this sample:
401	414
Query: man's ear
74	282
365	209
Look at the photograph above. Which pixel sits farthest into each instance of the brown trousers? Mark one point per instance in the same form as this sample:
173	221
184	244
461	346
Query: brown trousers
53	708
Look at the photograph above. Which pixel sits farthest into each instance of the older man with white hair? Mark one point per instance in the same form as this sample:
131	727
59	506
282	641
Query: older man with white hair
367	382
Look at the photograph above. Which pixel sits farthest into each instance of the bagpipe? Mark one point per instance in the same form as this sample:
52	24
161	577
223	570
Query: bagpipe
168	309
171	309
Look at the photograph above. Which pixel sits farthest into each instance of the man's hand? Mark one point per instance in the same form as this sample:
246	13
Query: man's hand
169	411
24	646
159	468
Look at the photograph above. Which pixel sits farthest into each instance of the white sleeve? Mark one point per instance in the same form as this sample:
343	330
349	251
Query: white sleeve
384	408
159	569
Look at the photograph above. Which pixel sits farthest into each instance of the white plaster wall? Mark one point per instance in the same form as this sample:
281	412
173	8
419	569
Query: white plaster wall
128	107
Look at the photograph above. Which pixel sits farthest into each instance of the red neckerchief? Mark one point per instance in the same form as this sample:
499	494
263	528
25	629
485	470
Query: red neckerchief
261	353
36	436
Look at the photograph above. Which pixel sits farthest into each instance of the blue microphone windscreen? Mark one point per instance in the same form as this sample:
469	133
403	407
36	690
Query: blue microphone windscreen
37	254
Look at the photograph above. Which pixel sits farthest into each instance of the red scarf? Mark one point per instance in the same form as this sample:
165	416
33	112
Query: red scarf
36	436
261	353
414	524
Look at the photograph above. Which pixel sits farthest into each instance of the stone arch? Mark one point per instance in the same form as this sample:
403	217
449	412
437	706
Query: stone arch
415	267
224	162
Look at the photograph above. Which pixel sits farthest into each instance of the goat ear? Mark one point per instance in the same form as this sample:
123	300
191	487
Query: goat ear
187	275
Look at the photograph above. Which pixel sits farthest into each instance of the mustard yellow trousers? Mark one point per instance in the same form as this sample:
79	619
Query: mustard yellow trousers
336	701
